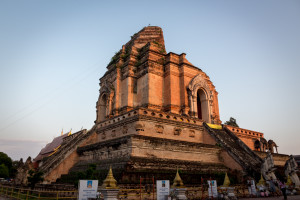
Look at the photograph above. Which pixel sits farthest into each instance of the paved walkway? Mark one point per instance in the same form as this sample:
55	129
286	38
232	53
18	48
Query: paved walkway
296	197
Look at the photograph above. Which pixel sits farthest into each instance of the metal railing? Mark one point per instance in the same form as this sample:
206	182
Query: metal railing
124	193
28	194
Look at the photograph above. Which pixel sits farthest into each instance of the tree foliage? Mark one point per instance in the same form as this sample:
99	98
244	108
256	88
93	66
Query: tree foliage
4	172
232	122
91	171
6	168
4	159
34	178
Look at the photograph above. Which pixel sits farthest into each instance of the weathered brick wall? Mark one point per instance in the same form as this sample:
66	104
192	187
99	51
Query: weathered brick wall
247	136
279	159
161	80
62	168
175	150
229	161
154	124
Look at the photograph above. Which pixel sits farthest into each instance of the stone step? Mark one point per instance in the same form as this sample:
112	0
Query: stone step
235	147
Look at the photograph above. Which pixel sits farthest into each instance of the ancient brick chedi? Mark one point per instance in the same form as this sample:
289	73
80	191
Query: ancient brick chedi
156	112
141	74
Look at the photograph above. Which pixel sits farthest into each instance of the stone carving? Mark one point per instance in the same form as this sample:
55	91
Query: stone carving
105	102
103	135
192	133
106	153
290	169
104	89
271	145
111	102
177	131
125	129
257	145
267	168
159	129
264	144
196	83
200	83
113	133
139	127
22	171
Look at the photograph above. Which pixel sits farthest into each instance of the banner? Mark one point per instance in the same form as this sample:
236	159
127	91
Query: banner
212	188
253	188
162	189
87	189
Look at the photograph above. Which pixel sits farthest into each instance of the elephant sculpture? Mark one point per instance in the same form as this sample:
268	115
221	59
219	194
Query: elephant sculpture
271	145
257	145
264	144
291	169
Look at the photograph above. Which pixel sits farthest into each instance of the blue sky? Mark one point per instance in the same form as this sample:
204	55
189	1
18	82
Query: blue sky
52	54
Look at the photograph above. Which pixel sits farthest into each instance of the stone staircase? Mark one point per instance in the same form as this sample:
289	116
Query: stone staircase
68	146
240	152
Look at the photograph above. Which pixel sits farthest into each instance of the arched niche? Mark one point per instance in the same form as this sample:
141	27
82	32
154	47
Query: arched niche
200	99
102	107
105	103
202	105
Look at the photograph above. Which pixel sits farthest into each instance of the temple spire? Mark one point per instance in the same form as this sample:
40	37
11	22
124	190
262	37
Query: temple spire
110	182
226	182
177	180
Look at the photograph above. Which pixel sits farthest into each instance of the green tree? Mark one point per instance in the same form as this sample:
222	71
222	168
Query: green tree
4	159
91	171
34	178
232	122
4	172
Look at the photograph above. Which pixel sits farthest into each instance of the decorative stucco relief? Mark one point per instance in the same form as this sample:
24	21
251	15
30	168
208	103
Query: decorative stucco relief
124	129
201	83
192	133
139	127
159	129
177	131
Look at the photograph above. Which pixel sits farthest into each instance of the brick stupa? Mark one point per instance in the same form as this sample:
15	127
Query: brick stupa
157	112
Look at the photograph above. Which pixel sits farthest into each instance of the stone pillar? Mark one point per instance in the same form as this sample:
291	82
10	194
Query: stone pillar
117	90
110	101
107	106
185	110
178	187
110	194
205	108
190	104
180	193
193	105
